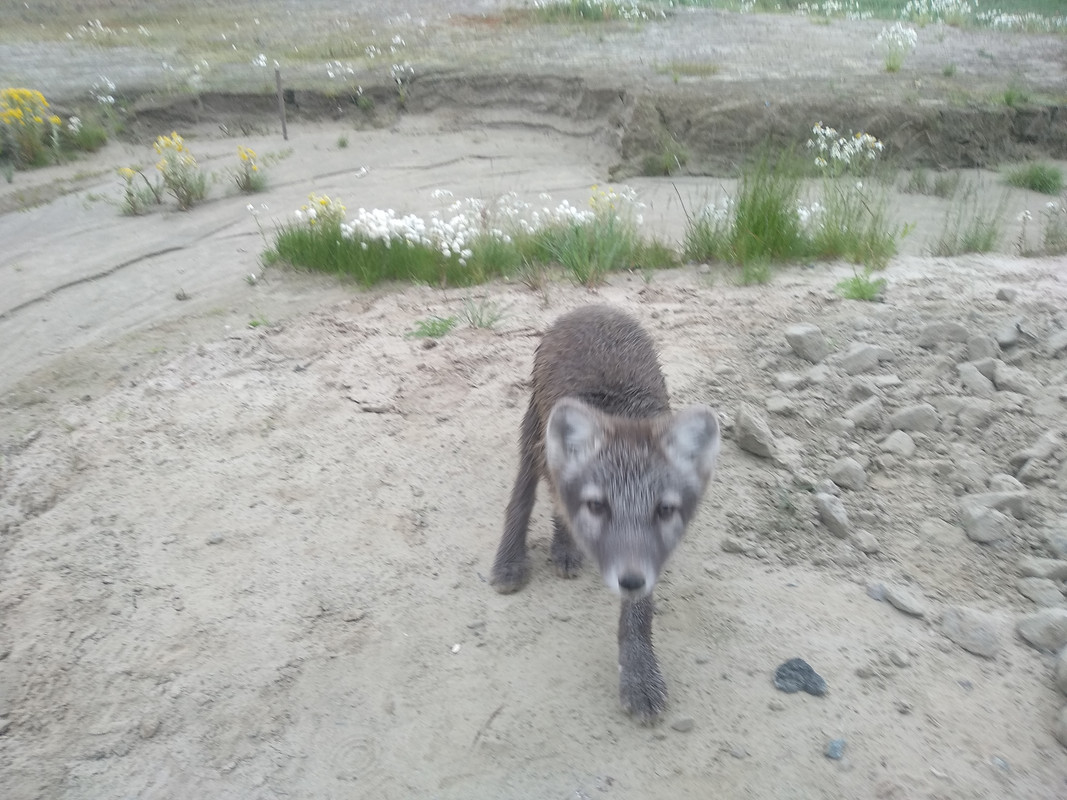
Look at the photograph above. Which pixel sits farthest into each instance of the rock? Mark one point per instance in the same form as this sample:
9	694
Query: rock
865	542
848	473
817	375
1056	543
860	389
835	749
972	630
1005	483
982	347
827	486
975	413
752	432
886	381
1044	447
1045	630
987	366
935	333
832	514
683	724
984	525
149	727
778	403
795	675
905	600
1007	335
1012	502
731	544
974	381
787	381
1054	569
1012	379
1041	591
1056	345
900	443
920	417
807	341
899	658
1059	670
1007	294
869	414
863	357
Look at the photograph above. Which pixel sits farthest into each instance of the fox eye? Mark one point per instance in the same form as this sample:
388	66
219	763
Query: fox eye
596	507
664	511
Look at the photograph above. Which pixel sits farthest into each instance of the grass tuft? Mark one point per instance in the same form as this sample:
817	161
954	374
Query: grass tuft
1043	178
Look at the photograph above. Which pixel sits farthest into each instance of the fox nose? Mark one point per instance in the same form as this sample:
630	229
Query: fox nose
632	582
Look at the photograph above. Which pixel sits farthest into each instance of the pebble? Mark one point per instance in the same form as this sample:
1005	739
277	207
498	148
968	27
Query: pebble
1007	293
807	341
1056	345
900	443
787	381
1007	335
1059	670
865	542
974	381
899	658
796	674
832	514
1034	567
149	727
1041	449
1045	630
869	414
1056	542
683	724
848	473
984	525
778	403
752	432
819	374
215	538
972	630
1042	591
731	544
835	749
935	333
862	357
905	600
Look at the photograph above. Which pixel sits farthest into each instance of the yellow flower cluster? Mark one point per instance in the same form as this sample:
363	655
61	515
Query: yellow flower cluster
321	210
175	155
24	107
127	173
27	127
248	157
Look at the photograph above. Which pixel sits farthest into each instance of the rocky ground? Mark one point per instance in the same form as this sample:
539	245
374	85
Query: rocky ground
245	535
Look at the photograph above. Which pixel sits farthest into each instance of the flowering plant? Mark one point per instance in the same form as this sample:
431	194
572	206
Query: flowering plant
248	177
181	174
27	127
898	42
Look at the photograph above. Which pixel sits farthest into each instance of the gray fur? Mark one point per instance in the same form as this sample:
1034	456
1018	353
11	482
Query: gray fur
625	474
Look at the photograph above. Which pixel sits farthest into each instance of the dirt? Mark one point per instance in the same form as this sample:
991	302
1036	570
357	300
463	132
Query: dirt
245	535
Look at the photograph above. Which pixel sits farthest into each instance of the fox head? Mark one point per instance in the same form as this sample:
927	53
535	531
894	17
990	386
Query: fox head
628	488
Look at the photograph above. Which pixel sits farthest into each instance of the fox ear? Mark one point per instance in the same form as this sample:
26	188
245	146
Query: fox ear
574	433
692	441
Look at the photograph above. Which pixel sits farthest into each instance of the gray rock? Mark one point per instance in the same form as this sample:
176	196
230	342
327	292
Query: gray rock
973	630
807	342
1045	630
1056	543
1041	591
974	381
1007	294
1059	727
920	417
832	514
975	413
848	473
861	388
865	542
683	724
752	432
900	443
796	675
788	381
987	366
818	375
1005	483
1007	335
1059	670
778	403
1014	503
835	749
935	333
862	357
1012	379
1052	568
984	525
905	600
1044	447
982	347
1056	345
870	414
827	486
886	381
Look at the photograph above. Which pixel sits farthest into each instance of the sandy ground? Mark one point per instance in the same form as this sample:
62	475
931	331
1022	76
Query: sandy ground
251	562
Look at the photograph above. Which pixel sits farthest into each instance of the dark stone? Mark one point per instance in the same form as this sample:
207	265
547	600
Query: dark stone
796	674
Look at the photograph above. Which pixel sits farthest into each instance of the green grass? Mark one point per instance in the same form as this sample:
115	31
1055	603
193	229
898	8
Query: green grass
943	184
580	11
433	327
1043	178
861	286
970	225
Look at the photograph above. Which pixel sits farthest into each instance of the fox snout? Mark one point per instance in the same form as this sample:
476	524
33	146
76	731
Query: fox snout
630	581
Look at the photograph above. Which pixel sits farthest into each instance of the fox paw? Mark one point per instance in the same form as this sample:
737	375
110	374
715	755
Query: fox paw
643	694
510	576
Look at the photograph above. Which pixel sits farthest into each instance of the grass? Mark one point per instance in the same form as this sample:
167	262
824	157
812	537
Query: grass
581	11
671	157
483	314
1036	177
433	327
943	184
861	286
970	226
